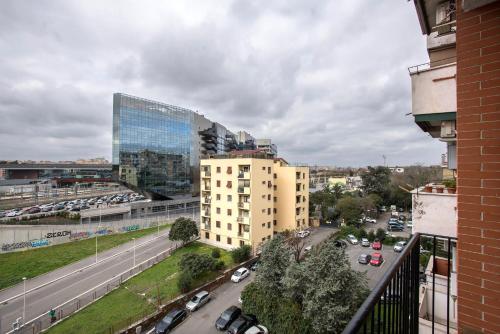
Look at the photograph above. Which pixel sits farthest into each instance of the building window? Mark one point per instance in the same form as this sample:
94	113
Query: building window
268	224
218	183
229	227
263	168
217	197
242	243
268	170
229	184
303	187
274	222
218	169
263	225
207	235
264	182
217	224
268	211
229	170
217	237
229	198
268	197
275	175
268	237
263	196
229	241
264	239
303	175
275	210
217	210
275	199
229	212
263	210
275	187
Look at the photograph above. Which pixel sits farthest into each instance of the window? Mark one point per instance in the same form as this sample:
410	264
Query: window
275	199
217	224
263	168
264	239
268	170
217	197
303	175
268	211
229	227
229	184
263	210
229	241
217	237
268	224
303	187
264	196
242	243
275	175
229	212
207	235
268	197
274	222
275	187
268	237
263	225
229	198
229	170
275	210
218	183
217	210
264	182
218	169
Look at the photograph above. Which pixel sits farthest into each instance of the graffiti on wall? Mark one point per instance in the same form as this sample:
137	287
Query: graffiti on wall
57	234
88	234
130	228
25	244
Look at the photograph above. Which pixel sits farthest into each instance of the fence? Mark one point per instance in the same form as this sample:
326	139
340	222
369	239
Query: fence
75	304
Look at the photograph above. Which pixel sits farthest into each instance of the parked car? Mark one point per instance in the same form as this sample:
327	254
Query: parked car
402	217
377	259
377	245
99	202
171	320
352	239
303	234
227	317
364	258
401	210
383	209
33	210
12	213
409	224
240	325
58	207
255	266
74	208
2	214
240	275
398	247
47	208
371	220
257	329
200	299
395	227
340	243
365	242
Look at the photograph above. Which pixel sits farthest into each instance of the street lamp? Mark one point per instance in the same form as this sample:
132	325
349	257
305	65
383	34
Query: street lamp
24	300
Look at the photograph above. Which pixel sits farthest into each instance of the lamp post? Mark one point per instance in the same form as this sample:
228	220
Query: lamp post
24	299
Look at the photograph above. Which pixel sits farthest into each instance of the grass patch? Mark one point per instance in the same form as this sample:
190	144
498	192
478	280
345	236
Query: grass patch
34	262
136	297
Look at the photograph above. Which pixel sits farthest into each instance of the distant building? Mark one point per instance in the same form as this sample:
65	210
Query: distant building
247	197
267	145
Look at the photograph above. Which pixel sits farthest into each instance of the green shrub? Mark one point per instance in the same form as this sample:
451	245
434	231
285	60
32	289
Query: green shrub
220	265
196	264
371	236
241	254
216	253
185	282
380	234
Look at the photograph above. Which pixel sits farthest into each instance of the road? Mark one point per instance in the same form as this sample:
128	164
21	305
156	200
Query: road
41	301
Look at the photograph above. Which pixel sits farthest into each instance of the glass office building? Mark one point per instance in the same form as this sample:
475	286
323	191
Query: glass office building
157	147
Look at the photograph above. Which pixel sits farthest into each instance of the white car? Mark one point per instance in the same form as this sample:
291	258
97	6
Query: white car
11	214
365	242
303	234
240	275
371	220
409	224
257	329
398	247
200	299
352	239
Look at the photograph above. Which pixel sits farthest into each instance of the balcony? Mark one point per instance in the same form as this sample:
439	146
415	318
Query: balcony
244	190
206	200
434	212
206	174
205	187
434	96
244	205
244	235
396	303
205	213
243	220
244	175
206	226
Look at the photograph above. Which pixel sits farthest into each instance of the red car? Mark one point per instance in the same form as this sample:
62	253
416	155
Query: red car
377	259
377	245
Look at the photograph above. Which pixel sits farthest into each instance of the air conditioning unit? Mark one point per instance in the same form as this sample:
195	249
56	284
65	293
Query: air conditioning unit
448	129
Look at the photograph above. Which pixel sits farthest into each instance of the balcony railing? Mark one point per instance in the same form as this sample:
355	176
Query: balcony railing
393	305
244	190
243	175
244	205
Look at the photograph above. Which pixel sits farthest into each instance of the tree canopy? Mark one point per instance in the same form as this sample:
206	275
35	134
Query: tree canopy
376	181
183	229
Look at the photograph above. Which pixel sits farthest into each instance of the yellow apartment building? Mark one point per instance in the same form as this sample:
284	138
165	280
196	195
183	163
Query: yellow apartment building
248	197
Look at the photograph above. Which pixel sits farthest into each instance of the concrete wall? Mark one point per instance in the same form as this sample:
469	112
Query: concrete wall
434	213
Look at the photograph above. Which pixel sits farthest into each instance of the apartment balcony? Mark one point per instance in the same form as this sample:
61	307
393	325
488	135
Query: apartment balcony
205	187
205	213
244	190
434	212
397	303
434	96
244	235
243	220
244	175
206	174
244	205
206	200
206	226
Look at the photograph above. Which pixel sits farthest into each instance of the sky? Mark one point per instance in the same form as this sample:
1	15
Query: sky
326	80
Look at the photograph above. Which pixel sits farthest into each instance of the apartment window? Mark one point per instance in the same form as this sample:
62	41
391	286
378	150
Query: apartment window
268	224
242	243
263	168
264	196
229	198
263	225
263	210
217	210
229	241
263	239
218	169
217	197
297	187
230	170
268	211
275	210
268	237
269	184
264	182
303	198
217	224
274	222
303	175
275	187
229	212
207	235
218	183
275	199
229	184
217	237
268	170
275	175
229	227
268	197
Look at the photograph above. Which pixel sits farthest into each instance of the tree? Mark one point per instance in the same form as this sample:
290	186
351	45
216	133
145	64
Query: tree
197	264
241	253
371	236
376	181
185	281
274	261
183	229
296	244
350	210
329	289
380	234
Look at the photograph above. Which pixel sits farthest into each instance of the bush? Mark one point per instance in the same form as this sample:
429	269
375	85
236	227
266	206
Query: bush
216	253
380	234
196	264
241	254
362	233
371	236
185	281
220	265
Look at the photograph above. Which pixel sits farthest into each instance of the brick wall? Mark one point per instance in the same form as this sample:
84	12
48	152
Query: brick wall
478	157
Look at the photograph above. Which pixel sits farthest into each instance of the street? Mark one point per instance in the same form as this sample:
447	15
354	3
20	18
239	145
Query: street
43	299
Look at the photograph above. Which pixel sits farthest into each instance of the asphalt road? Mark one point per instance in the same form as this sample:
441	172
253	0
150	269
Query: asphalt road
203	320
40	301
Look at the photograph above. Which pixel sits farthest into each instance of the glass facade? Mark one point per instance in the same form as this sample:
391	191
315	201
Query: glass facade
153	145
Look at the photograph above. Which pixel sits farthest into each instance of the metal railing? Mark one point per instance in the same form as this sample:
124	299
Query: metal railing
396	304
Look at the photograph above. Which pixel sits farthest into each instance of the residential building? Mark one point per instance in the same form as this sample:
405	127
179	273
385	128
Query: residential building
248	196
267	145
157	147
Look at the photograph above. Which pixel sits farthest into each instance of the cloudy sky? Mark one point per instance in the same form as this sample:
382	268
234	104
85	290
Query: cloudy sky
326	80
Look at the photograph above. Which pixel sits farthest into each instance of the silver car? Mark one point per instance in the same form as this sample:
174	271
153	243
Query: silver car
365	242
200	299
398	247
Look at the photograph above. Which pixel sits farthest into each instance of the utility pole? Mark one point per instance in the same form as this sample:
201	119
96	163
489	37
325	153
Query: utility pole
385	159
24	300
